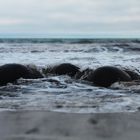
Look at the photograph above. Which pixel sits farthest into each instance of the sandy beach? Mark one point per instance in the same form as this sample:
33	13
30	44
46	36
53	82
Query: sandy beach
41	125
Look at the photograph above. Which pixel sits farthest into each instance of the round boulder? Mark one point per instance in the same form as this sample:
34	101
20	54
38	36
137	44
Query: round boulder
107	75
63	69
11	72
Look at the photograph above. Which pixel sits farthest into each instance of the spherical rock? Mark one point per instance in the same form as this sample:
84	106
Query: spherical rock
63	69
11	72
107	75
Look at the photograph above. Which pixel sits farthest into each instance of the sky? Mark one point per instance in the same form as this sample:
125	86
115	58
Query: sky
70	18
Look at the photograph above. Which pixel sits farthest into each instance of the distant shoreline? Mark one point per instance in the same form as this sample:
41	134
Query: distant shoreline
92	38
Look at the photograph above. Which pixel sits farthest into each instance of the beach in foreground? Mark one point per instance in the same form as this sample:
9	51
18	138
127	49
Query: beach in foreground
43	125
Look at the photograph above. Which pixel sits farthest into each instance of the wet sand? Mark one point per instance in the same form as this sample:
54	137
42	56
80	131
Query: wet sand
43	125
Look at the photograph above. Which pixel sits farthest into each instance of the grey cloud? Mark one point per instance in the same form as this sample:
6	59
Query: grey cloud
73	16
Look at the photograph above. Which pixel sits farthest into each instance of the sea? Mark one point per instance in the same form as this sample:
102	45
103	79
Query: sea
68	94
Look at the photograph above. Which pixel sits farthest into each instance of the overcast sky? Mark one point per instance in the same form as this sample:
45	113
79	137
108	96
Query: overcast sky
44	18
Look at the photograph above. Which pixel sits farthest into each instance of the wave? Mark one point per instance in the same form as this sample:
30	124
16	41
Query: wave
69	41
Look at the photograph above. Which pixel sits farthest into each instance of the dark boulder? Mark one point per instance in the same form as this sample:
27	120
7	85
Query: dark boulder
34	72
107	75
63	69
84	75
133	75
11	72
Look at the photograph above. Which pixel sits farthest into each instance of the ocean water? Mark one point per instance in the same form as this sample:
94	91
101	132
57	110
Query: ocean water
70	95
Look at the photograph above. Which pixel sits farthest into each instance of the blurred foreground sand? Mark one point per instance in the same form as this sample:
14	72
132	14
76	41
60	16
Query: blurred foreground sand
41	125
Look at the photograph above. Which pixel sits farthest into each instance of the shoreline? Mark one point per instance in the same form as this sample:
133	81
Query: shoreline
42	125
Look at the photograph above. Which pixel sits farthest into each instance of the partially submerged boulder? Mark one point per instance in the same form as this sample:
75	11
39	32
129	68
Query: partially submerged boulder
11	72
107	75
133	74
63	69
